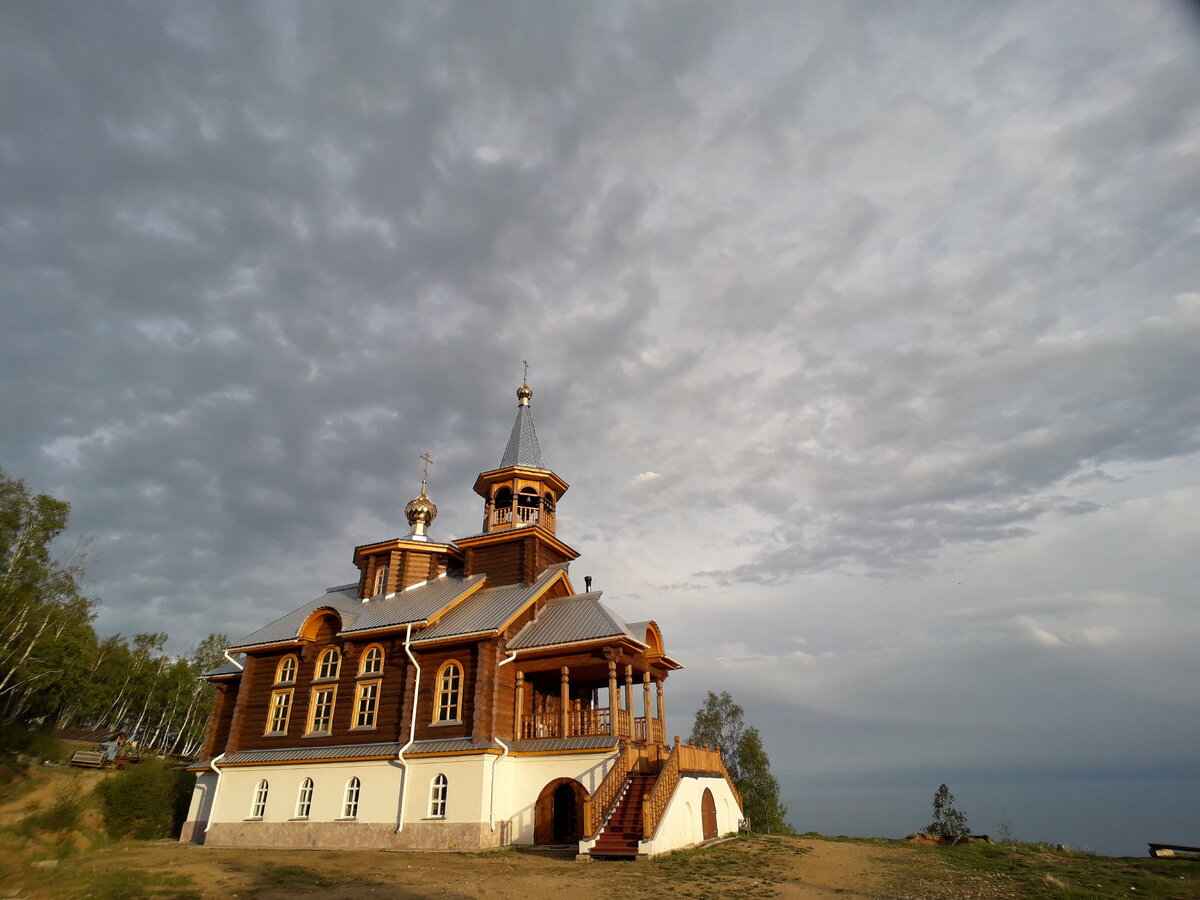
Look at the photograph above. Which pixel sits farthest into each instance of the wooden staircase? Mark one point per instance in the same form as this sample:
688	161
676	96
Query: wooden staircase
623	830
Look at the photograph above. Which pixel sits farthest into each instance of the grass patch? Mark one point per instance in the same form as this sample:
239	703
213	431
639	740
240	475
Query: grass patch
750	865
135	884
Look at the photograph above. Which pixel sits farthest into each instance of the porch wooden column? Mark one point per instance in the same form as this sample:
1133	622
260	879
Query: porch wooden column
519	705
646	707
614	699
662	710
564	702
629	699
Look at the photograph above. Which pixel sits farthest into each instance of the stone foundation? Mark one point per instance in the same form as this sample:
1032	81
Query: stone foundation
471	836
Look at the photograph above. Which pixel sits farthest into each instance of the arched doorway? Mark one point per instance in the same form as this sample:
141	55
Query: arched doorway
708	815
558	814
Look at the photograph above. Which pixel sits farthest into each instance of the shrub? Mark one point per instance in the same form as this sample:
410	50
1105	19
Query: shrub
63	815
146	801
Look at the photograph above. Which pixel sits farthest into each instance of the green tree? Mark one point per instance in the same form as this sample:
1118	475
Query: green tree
947	820
721	721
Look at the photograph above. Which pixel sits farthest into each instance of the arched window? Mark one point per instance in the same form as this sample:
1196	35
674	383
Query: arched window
381	577
330	664
285	672
304	801
503	497
548	503
449	693
259	809
372	661
350	807
437	797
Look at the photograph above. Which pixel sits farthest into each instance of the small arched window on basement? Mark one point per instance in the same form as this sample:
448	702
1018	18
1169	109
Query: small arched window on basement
304	801
259	809
350	806
437	797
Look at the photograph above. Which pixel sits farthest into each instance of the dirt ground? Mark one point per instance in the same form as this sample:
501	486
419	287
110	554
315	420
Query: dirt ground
793	869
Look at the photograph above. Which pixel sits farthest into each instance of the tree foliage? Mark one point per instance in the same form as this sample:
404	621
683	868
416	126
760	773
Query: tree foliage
721	721
54	670
947	820
146	801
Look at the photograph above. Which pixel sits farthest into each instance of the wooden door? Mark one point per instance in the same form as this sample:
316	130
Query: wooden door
708	815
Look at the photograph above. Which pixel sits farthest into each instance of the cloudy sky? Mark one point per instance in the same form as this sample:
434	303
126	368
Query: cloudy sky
867	335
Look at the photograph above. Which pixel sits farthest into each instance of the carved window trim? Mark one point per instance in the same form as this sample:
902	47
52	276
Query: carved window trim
366	705
372	661
447	703
279	713
329	665
285	672
321	710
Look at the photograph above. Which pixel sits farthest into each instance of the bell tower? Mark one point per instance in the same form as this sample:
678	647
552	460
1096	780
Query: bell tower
520	509
522	491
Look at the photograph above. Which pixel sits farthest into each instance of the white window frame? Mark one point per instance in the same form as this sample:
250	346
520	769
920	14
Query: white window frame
259	807
438	789
350	801
304	800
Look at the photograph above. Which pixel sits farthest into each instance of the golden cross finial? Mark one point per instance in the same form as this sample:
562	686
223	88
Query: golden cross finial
425	472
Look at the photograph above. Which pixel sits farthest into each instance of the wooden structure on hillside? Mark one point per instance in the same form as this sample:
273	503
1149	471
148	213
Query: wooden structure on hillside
456	695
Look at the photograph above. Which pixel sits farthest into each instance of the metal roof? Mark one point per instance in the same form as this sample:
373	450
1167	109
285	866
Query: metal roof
569	620
418	603
489	609
288	627
449	745
224	669
522	448
557	745
295	754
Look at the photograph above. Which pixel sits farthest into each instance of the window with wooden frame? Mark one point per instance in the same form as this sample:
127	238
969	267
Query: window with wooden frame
304	801
280	713
381	578
285	672
329	665
320	710
437	797
372	661
350	804
448	705
259	807
366	704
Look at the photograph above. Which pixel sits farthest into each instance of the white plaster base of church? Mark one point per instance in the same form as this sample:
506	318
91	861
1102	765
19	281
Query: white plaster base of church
489	804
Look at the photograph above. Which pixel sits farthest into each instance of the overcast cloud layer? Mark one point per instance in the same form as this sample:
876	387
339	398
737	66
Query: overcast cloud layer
868	336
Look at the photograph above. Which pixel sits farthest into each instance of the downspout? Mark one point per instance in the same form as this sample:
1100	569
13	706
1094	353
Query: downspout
412	725
496	760
232	660
212	807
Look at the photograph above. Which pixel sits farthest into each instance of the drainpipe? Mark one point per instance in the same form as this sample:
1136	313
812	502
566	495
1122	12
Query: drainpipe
212	807
232	660
412	725
496	761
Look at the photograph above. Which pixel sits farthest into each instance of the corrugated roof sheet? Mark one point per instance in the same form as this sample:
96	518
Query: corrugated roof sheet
226	669
580	617
449	745
487	610
292	754
522	448
287	628
557	745
416	604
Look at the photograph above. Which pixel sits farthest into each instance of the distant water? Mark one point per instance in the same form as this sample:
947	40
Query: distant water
1111	819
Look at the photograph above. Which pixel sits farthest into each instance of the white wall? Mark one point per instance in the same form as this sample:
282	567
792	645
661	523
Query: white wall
521	778
681	824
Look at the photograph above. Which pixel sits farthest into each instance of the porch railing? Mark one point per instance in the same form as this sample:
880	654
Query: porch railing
683	758
589	722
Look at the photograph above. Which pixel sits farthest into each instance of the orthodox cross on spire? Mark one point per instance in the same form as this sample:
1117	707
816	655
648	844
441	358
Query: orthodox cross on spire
525	380
425	470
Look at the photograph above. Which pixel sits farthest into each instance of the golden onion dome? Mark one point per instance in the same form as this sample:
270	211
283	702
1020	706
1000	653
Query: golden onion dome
420	509
524	394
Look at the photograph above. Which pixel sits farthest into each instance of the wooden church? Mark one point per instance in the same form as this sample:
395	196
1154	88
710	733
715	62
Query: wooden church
459	695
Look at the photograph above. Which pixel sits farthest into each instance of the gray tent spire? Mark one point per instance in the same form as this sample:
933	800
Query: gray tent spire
522	448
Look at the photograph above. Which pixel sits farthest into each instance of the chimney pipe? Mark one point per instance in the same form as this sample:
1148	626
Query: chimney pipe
587	583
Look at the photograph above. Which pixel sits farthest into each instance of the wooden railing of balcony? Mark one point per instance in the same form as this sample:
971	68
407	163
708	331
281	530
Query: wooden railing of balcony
683	758
597	807
588	722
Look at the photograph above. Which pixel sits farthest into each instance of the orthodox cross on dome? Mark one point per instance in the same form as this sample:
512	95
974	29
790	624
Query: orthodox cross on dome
525	380
425	470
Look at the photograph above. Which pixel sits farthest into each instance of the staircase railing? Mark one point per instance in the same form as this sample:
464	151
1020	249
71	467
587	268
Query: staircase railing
654	804
683	758
600	804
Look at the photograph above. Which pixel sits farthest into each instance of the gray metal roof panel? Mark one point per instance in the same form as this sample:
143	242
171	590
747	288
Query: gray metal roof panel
580	617
557	745
522	448
487	610
287	628
415	604
290	754
449	745
224	669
